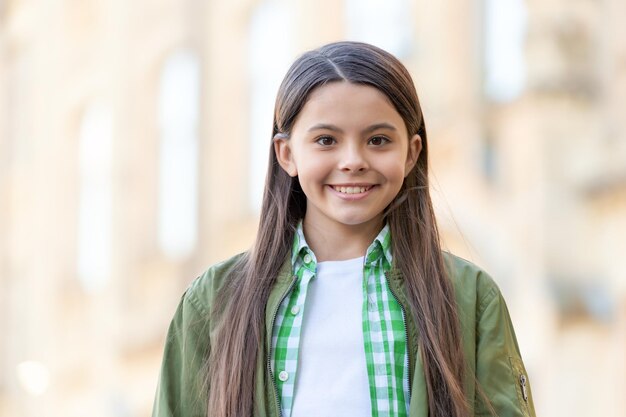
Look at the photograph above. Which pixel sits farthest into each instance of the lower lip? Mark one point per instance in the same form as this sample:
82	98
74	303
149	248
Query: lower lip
351	197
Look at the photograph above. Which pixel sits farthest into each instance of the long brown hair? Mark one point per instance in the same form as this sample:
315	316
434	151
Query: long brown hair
415	243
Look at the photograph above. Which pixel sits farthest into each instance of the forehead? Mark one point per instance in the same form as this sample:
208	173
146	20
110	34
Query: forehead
348	105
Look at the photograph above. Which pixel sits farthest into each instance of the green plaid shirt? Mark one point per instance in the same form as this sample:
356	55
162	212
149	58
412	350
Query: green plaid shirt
384	330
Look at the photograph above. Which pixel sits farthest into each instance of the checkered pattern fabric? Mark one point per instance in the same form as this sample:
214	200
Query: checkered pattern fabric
288	324
384	333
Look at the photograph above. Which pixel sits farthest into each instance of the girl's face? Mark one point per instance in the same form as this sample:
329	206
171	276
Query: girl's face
350	150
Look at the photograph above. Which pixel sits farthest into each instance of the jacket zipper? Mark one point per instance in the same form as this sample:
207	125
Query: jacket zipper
522	381
269	355
406	336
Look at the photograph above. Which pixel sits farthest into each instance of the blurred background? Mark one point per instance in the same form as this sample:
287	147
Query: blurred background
133	146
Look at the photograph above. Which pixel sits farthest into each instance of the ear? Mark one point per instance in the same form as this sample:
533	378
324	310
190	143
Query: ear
415	147
282	149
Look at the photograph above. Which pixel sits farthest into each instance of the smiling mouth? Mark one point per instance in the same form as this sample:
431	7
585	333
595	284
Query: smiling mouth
351	190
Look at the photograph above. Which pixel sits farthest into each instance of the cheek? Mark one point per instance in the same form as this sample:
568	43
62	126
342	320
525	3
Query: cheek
394	168
310	167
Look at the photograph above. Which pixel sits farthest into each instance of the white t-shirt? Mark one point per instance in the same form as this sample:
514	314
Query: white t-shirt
332	372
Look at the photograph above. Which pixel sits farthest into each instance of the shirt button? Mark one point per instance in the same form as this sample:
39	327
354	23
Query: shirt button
283	376
295	310
307	258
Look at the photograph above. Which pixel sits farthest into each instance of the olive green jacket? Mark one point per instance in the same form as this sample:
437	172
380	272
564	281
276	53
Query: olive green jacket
489	343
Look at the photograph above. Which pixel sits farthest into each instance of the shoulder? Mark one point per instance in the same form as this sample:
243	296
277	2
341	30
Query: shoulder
202	290
472	284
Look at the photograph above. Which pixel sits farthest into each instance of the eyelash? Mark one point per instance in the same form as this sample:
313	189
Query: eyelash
384	138
321	138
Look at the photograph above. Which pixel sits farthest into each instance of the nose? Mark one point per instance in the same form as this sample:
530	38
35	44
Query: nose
353	159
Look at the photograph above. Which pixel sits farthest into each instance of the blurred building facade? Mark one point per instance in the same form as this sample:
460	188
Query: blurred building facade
133	143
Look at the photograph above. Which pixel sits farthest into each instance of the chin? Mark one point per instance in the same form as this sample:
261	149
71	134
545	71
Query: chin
354	220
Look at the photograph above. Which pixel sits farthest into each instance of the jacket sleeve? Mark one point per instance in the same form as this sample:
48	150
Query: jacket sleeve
182	390
500	372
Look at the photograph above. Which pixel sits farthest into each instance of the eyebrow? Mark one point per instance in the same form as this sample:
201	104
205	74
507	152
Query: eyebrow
326	126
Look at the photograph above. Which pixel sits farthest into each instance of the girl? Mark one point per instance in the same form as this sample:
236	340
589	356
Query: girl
345	305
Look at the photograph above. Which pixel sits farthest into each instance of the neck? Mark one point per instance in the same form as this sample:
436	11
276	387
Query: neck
338	243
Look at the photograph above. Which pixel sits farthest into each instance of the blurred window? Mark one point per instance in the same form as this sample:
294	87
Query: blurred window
504	39
269	57
386	24
179	100
94	213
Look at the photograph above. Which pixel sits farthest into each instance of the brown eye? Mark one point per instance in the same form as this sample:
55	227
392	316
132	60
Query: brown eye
378	140
325	141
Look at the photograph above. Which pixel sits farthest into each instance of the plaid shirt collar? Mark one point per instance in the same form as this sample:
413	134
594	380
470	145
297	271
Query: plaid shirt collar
380	247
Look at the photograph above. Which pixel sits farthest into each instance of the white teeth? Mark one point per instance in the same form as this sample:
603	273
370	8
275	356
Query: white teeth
351	190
